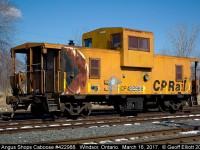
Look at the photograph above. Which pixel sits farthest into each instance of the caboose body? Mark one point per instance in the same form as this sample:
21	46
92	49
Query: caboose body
115	66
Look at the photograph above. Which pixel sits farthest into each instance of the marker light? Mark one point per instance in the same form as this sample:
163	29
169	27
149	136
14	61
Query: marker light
146	77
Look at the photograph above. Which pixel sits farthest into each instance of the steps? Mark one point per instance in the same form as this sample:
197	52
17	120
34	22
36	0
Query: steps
53	102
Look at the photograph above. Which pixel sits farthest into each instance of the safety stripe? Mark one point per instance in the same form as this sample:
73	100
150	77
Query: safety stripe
65	83
143	89
89	87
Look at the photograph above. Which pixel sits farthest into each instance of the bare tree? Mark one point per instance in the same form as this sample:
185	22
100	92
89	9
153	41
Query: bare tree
5	71
9	15
77	35
183	41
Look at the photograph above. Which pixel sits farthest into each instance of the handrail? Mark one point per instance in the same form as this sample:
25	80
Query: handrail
58	81
44	76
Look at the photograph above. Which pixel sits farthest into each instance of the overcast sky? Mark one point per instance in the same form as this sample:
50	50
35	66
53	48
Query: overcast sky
57	21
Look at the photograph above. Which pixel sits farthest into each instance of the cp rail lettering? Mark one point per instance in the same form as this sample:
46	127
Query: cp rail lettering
171	85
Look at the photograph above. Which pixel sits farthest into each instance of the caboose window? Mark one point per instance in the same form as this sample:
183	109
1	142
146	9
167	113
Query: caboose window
88	42
138	43
94	68
143	43
116	41
179	73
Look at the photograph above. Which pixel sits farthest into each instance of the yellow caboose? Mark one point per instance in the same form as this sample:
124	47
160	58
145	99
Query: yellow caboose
119	67
115	66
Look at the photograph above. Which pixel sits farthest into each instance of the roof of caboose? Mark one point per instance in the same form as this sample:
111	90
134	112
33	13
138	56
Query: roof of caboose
178	57
118	28
28	45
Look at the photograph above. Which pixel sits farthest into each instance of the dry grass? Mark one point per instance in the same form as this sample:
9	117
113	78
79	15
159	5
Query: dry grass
3	106
198	99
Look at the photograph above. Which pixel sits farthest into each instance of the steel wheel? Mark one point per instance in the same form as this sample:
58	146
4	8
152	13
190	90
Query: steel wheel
162	107
57	114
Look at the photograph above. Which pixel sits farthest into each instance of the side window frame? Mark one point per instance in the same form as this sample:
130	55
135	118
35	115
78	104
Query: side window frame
94	68
179	72
116	42
136	43
89	42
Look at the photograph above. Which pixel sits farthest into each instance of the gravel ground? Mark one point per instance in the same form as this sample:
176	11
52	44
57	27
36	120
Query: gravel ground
51	135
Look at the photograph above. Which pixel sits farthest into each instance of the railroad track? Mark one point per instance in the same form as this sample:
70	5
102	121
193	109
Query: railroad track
38	125
138	138
100	113
184	139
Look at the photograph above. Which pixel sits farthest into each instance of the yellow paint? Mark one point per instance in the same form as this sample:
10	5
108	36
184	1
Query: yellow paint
143	89
89	87
129	66
65	82
101	38
118	88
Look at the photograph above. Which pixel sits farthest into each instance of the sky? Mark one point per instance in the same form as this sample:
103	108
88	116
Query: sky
58	21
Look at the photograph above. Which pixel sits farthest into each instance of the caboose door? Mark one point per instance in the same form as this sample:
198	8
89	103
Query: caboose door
50	67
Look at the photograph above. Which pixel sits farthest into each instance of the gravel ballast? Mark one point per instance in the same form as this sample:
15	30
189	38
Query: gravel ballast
64	134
